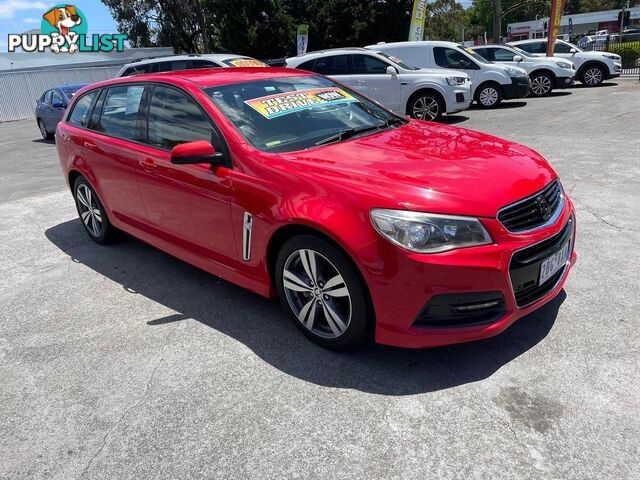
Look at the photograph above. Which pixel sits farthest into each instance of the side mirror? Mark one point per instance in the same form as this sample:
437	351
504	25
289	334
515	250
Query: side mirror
573	51
392	71
199	151
59	105
517	58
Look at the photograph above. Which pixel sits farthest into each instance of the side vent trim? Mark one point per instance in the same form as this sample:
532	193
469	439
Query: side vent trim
247	224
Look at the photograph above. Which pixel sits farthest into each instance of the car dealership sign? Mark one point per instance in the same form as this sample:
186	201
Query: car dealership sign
64	29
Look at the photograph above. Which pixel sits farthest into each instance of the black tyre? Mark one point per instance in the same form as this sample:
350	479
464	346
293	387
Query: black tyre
43	130
489	95
541	84
592	76
91	212
425	106
323	293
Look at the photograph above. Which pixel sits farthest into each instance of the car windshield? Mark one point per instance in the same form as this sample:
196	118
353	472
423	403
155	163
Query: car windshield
294	113
476	56
398	62
71	90
244	62
523	53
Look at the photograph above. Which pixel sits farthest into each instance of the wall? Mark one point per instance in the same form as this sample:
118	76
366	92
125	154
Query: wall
19	90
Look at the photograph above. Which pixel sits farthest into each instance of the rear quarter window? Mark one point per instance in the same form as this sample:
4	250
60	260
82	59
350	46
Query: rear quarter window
79	116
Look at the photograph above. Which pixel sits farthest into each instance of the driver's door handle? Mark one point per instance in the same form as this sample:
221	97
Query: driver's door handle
147	164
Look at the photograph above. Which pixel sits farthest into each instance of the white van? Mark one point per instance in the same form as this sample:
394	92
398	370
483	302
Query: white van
490	83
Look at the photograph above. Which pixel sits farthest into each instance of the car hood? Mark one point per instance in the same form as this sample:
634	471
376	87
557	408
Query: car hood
428	167
598	55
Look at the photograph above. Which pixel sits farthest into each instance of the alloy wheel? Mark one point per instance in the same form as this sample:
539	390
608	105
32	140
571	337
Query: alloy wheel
541	85
593	76
488	96
425	108
89	210
317	293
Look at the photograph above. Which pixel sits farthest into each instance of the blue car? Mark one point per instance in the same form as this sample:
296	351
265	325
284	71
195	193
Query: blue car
51	106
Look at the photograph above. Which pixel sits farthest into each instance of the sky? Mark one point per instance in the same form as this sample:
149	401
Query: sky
17	16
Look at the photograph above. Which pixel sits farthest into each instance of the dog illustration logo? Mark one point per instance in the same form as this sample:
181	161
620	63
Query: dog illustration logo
63	19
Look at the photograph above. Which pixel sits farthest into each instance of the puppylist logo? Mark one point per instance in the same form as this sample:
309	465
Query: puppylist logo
64	29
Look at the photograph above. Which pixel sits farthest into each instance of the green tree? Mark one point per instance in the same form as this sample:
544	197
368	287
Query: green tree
446	20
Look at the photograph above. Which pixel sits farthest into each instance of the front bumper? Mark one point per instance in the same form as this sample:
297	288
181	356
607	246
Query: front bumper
458	99
564	82
518	88
407	282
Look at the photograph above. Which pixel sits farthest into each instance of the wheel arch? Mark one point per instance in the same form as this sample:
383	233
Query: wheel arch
592	63
479	88
548	71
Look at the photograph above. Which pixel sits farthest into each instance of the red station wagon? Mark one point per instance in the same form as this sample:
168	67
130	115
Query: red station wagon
364	223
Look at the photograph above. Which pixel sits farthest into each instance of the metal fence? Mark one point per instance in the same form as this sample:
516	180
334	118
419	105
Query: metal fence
19	90
629	51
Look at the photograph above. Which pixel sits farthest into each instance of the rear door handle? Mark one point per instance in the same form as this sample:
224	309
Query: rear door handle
89	145
147	164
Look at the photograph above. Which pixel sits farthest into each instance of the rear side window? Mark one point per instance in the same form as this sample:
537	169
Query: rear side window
81	110
562	48
368	65
334	65
203	64
121	112
308	65
535	47
174	118
47	97
502	55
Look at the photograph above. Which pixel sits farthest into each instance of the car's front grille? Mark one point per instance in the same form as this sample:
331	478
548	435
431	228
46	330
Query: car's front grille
524	269
533	211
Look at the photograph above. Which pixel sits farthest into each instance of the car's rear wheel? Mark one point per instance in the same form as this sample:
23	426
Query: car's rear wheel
43	130
593	76
426	106
541	84
91	212
489	95
323	293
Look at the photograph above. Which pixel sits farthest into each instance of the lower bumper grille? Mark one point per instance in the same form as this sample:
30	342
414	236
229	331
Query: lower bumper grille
461	309
524	269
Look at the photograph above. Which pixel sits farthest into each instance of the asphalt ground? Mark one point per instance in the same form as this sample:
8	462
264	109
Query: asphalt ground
122	362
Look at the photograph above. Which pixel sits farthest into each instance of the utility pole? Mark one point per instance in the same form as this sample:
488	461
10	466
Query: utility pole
624	7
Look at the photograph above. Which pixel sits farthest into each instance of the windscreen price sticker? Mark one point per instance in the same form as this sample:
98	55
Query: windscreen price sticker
273	106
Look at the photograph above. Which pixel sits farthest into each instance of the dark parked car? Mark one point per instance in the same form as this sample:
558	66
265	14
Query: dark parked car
51	105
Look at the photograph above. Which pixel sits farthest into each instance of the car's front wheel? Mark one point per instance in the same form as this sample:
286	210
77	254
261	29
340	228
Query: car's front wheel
593	76
541	84
43	130
425	106
323	293
489	95
91	212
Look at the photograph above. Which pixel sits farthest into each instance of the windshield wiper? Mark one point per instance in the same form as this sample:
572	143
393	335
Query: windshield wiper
350	132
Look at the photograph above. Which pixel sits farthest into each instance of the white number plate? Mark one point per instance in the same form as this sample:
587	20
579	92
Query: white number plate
555	262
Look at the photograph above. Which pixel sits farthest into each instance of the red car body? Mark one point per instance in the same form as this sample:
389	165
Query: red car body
195	213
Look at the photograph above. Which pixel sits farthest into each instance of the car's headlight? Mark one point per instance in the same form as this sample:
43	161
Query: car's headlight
612	56
428	232
453	81
563	64
515	72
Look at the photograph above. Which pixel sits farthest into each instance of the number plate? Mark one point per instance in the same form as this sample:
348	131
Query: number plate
553	263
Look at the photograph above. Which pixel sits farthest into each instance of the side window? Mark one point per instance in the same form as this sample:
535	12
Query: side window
120	112
534	47
56	97
368	65
174	118
178	65
486	53
502	55
136	70
562	48
450	58
334	65
161	67
203	64
80	113
47	97
94	122
308	65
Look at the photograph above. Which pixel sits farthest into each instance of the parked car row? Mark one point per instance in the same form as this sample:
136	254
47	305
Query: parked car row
424	80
